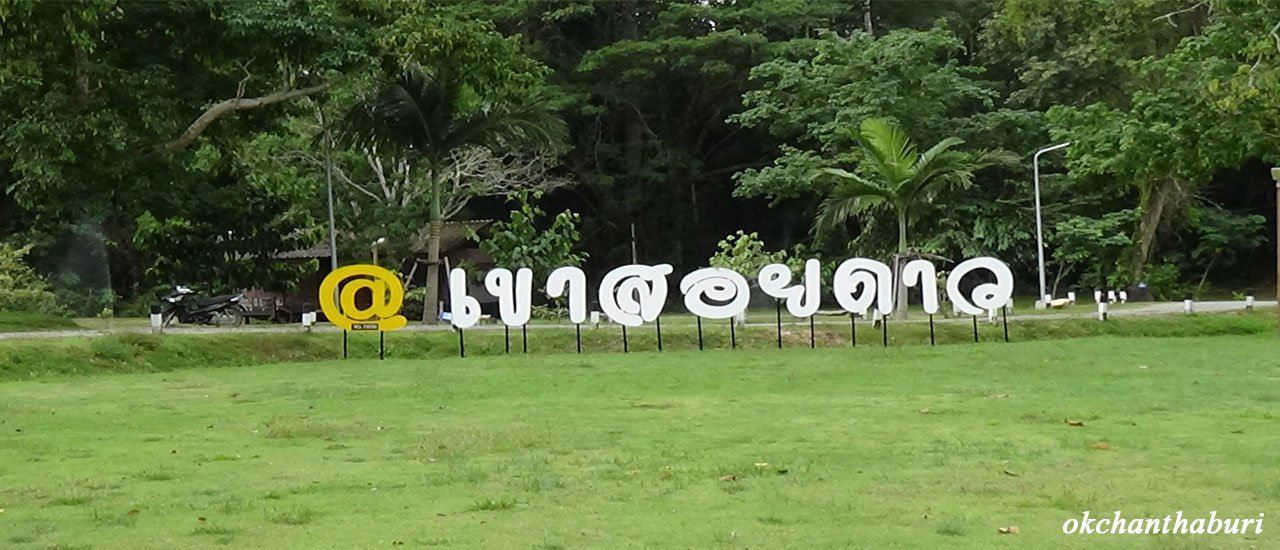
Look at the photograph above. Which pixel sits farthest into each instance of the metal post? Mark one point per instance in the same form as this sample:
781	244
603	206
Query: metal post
699	334
853	330
975	329
462	345
777	304
625	345
344	344
382	349
1039	221
932	340
1005	314
524	338
812	342
506	336
733	333
578	329
884	329
658	322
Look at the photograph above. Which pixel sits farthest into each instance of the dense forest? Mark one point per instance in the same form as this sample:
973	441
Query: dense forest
144	143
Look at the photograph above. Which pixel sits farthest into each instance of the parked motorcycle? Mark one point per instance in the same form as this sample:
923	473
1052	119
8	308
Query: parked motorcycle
183	306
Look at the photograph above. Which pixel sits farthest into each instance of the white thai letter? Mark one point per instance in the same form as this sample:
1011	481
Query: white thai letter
715	284
514	300
634	294
464	310
802	300
922	273
572	280
872	281
985	297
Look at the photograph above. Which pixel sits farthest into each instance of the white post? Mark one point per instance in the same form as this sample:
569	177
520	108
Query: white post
1097	296
1111	296
1187	307
157	320
1071	298
1102	311
1248	303
1039	221
1124	296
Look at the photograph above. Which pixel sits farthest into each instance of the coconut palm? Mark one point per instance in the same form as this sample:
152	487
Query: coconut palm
899	177
423	115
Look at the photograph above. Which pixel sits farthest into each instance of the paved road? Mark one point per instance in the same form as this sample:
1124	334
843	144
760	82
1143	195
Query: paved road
1161	308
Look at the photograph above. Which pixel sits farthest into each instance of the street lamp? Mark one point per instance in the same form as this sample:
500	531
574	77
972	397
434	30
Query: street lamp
374	247
1044	295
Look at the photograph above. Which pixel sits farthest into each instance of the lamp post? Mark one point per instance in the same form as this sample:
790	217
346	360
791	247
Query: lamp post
1275	175
1044	296
374	247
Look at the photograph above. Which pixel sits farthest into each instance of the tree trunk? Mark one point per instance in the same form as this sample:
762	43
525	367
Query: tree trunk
899	263
431	299
1164	195
866	17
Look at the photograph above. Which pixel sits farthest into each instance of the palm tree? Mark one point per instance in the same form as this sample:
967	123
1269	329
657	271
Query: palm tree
421	114
899	177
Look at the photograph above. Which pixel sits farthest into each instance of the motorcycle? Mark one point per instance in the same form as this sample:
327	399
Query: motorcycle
181	305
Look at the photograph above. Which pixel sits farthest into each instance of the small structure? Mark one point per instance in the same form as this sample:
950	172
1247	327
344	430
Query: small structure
288	306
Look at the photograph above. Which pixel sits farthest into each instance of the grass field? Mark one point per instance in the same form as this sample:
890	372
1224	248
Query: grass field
911	447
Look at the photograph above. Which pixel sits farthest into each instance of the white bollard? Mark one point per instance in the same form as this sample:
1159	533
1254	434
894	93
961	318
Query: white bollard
1248	303
1111	296
1124	296
1071	297
308	320
157	320
1102	311
1097	296
740	319
595	319
1187	307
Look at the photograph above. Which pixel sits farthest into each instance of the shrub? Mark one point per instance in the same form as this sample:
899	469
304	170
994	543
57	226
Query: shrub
21	289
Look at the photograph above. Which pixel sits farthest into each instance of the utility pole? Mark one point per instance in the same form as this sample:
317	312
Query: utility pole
634	258
1275	175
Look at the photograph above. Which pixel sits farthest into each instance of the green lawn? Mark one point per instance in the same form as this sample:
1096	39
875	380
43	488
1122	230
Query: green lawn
911	447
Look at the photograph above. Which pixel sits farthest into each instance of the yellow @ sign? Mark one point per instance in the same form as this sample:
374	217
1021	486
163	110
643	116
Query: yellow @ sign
386	292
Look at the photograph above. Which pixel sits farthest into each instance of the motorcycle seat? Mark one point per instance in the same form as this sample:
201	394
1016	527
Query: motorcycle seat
216	300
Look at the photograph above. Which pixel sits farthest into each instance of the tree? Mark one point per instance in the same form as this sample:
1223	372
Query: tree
899	177
524	241
427	116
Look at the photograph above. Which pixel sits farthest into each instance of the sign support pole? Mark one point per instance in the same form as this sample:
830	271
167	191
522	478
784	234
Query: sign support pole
578	328
932	340
733	333
658	320
813	342
884	330
344	344
853	329
462	344
699	334
778	306
1004	313
506	336
382	346
975	329
624	339
524	337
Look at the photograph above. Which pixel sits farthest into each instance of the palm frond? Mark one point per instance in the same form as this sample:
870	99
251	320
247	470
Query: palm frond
889	151
851	197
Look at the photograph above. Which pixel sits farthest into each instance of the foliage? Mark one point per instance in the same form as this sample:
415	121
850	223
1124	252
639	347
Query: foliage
21	288
745	253
1092	246
896	175
525	241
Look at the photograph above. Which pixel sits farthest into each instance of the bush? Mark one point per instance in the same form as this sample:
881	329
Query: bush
21	289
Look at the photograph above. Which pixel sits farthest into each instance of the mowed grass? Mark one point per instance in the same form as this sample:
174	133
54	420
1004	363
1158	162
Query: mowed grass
910	447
